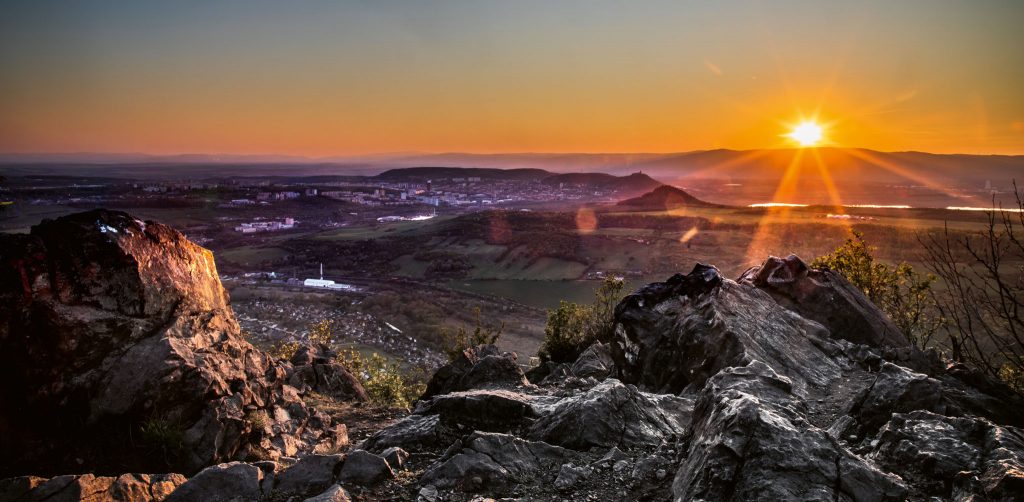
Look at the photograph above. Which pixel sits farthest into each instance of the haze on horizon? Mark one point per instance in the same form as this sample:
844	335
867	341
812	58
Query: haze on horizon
350	78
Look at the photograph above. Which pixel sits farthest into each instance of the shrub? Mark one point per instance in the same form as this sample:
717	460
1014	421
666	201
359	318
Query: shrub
384	382
283	350
456	343
902	293
573	327
320	333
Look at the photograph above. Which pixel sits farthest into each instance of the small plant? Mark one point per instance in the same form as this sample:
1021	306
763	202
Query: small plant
321	333
162	438
573	327
284	350
384	382
1013	376
902	293
256	419
456	343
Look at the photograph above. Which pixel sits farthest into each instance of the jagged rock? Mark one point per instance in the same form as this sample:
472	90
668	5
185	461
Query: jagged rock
485	410
493	462
120	323
311	474
427	494
749	441
395	457
414	432
672	336
331	379
646	468
570	475
230	482
364	468
895	390
967	392
333	494
126	487
538	373
612	414
826	297
480	367
614	455
595	362
941	455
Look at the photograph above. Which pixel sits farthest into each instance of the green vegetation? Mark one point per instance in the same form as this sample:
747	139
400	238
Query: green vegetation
573	327
384	381
455	343
905	295
162	438
321	332
283	350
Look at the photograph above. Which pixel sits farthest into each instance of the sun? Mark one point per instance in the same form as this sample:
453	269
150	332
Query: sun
806	133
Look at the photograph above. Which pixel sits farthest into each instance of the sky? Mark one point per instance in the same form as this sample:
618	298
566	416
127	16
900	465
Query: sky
335	78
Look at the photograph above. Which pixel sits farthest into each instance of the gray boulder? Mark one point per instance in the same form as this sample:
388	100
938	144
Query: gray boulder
333	494
480	367
826	297
230	482
895	390
413	433
493	462
484	410
612	414
595	362
672	336
749	441
943	456
310	475
364	468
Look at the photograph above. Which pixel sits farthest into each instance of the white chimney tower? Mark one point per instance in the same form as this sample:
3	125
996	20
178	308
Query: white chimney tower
321	271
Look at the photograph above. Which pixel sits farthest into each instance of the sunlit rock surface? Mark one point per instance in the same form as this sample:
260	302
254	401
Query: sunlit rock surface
116	334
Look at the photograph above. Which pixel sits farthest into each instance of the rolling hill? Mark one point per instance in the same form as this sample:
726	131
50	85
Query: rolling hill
664	198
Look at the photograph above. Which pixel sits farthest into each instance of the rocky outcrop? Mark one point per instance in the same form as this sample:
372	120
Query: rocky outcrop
783	385
118	349
126	487
483	366
750	441
673	336
952	457
492	462
825	297
612	414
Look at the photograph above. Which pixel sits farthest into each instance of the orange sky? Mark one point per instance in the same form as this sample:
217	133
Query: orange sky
339	78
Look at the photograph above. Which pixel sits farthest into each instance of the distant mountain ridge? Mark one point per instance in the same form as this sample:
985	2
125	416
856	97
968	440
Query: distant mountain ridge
837	164
633	183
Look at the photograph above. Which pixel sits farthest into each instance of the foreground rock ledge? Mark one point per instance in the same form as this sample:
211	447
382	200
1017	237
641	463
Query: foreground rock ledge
118	348
784	385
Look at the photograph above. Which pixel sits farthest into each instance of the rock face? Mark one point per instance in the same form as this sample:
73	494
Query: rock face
750	441
825	297
784	385
118	348
477	367
673	336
